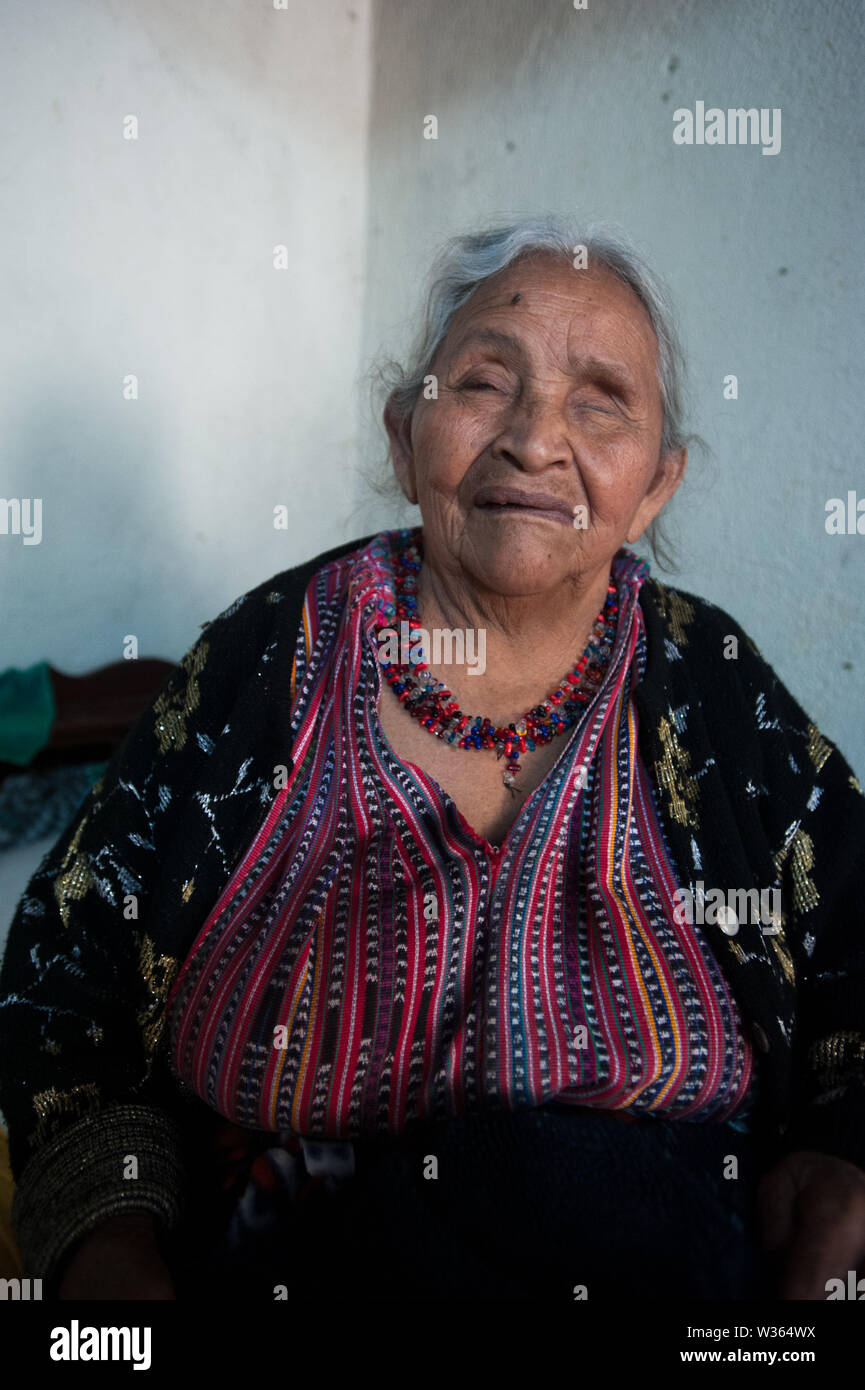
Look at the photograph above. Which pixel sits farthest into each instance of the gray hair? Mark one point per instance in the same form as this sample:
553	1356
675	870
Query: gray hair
464	262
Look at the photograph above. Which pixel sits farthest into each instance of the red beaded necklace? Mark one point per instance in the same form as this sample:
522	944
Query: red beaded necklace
433	705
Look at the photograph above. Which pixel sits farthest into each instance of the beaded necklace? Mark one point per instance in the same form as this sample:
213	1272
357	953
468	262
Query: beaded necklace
433	705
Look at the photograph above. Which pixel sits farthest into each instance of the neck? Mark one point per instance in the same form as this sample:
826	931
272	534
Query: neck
529	642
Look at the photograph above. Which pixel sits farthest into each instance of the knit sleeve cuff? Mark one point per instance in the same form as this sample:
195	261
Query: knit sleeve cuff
125	1158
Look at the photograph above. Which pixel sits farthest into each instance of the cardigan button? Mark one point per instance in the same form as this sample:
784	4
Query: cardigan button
760	1039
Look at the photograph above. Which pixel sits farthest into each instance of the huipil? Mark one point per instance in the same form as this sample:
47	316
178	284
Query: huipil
373	960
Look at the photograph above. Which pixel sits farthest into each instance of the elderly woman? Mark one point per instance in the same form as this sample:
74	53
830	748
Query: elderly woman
536	975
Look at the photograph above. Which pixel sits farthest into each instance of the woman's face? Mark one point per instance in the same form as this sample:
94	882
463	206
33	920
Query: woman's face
547	384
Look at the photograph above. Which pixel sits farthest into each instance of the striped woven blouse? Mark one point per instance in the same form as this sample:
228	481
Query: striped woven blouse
373	961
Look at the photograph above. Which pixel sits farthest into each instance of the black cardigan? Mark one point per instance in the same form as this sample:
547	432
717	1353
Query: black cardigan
751	796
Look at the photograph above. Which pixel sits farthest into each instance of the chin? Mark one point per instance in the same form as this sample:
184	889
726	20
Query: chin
522	564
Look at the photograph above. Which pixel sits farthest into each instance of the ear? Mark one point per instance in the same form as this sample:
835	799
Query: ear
668	478
399	434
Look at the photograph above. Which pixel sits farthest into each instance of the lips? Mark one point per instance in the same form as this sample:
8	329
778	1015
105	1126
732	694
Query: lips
510	499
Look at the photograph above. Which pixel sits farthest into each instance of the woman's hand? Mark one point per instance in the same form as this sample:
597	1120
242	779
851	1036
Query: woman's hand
812	1209
118	1260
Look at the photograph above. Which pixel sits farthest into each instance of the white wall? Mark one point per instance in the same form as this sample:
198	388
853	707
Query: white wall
544	107
154	257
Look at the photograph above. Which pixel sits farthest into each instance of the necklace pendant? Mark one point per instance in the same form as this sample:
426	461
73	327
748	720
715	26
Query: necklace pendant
508	780
511	772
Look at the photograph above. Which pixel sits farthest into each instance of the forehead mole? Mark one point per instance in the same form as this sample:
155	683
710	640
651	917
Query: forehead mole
517	297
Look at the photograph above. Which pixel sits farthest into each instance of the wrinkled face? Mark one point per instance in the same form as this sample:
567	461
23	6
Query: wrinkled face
548	395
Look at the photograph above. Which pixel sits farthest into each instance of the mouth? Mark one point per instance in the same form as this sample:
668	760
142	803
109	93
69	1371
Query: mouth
498	501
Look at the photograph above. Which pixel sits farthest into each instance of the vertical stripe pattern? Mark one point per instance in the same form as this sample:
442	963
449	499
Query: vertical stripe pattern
373	960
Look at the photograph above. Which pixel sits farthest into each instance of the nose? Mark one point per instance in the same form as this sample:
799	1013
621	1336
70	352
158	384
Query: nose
533	436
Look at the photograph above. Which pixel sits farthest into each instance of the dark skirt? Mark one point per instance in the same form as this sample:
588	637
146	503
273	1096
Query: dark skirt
551	1202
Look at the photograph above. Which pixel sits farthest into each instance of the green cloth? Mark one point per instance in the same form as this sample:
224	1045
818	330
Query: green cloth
27	713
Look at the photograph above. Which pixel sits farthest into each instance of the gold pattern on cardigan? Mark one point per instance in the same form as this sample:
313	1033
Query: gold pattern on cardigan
674	778
187	890
801	848
75	879
785	959
818	749
805	895
778	937
838	1059
172	708
736	949
854	783
676	612
78	1101
158	974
